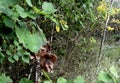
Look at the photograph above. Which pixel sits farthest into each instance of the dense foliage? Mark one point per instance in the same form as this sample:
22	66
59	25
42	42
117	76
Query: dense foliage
73	27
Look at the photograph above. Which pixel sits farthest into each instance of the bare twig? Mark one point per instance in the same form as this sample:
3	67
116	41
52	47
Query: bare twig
38	72
104	34
100	56
30	73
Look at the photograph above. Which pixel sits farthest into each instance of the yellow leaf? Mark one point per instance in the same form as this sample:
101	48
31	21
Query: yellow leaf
117	10
63	22
57	28
110	28
102	8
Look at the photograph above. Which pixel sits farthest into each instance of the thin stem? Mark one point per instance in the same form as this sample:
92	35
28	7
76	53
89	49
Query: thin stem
30	74
38	72
100	56
104	34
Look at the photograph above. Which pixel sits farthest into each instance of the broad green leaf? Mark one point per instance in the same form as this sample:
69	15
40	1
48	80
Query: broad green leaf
61	80
79	79
2	58
105	77
11	59
8	2
33	16
114	71
15	16
16	57
24	13
22	24
48	8
5	79
4	9
25	80
21	11
26	58
33	42
47	82
4	6
29	2
19	8
2	80
9	22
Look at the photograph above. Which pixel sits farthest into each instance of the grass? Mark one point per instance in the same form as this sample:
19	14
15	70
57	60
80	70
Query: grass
84	64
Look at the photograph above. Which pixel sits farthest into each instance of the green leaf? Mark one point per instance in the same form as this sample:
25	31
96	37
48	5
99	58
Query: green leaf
15	16
61	80
21	11
54	20
29	3
92	39
82	24
24	13
22	24
25	80
9	22
46	75
79	79
2	58
8	52
26	53
2	80
48	8
105	77
8	2
16	43
114	71
33	42
4	9
11	59
16	57
26	58
33	16
39	2
47	82
20	51
36	10
4	6
19	8
5	79
64	27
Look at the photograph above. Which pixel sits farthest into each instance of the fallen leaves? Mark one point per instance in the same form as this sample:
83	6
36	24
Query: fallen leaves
47	59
